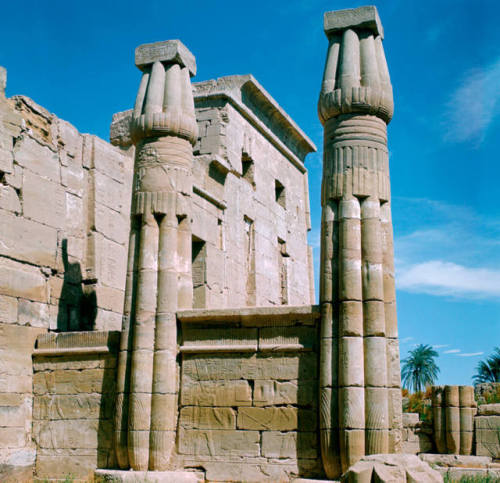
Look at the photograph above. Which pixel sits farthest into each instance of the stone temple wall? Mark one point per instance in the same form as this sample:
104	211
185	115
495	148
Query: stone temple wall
73	403
251	210
247	405
64	227
65	209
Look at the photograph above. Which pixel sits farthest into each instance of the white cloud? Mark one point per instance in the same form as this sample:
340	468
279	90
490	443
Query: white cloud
452	351
440	346
437	277
473	105
406	340
470	354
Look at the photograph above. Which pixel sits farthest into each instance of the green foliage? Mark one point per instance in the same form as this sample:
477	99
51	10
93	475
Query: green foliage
419	403
472	479
419	368
489	369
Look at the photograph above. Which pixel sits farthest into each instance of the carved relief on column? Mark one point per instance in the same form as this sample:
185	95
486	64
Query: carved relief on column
164	129
360	413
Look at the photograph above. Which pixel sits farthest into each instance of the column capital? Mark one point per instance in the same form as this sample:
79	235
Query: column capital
356	78
164	105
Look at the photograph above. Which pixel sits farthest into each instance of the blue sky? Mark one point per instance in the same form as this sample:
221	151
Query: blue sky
76	60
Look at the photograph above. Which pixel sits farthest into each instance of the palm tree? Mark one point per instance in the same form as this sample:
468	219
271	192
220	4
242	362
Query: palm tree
488	370
419	368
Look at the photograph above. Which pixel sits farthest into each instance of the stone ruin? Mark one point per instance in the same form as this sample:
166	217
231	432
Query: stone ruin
157	301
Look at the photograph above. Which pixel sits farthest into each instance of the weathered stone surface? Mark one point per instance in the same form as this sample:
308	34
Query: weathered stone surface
117	476
276	444
270	393
359	18
66	434
27	240
487	436
219	443
391	467
170	51
119	132
8	309
74	406
216	393
196	417
38	158
62	381
275	418
212	367
456	461
489	409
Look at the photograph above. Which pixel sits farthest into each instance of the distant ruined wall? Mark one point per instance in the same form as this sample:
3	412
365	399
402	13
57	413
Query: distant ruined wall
64	215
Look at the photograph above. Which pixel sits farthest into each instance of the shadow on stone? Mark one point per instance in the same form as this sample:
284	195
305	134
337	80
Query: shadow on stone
78	300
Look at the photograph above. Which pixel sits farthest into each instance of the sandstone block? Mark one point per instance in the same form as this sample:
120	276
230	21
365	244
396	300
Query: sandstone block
486	433
119	133
247	366
273	418
28	241
355	18
111	224
74	406
108	191
171	51
62	381
38	158
216	393
84	434
195	417
109	160
271	338
9	200
49	210
14	413
8	309
34	314
13	437
271	393
219	443
276	444
483	409
391	467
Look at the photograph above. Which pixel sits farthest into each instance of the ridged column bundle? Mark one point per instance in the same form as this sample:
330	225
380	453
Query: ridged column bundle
453	410
159	280
360	394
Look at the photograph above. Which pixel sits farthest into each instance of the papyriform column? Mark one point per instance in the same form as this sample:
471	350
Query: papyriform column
360	395
159	282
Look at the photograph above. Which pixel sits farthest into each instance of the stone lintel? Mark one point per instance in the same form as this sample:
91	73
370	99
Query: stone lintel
236	315
354	18
168	51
